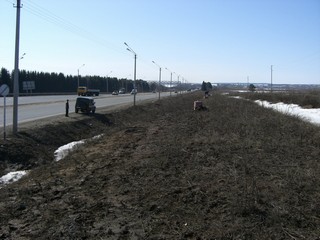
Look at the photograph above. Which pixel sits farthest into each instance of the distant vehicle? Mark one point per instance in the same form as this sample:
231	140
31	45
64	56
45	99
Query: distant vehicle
134	91
115	93
84	91
122	91
85	104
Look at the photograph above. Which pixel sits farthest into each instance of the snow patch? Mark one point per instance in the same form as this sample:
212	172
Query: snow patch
64	150
310	115
59	154
12	177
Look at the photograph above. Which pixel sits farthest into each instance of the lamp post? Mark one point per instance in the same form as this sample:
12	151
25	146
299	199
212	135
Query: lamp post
178	83
126	81
22	57
271	78
16	72
107	82
134	72
159	78
170	80
78	72
182	84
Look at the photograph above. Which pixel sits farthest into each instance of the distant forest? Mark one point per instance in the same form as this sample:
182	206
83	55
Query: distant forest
60	83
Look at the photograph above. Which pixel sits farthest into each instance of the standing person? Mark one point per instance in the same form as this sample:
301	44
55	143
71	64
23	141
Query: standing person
67	108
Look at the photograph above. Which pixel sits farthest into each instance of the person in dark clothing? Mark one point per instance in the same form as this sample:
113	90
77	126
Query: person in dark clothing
67	108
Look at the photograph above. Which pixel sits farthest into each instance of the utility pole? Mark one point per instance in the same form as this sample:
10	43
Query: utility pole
170	80
107	81
135	79
16	72
78	74
134	73
159	78
271	78
170	83
159	82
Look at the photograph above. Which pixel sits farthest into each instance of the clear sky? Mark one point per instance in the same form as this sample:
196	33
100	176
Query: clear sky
200	40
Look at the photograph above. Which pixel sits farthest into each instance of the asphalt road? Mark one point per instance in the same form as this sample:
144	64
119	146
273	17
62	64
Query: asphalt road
37	107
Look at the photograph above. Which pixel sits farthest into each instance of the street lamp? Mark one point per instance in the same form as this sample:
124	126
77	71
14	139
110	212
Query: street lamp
16	72
271	78
134	72
126	81
78	72
170	79
159	78
22	56
178	83
183	87
107	82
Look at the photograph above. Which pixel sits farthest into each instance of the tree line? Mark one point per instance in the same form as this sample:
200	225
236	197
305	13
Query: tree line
59	83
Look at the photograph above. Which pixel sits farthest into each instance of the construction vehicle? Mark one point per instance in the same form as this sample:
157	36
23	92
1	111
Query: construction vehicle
84	91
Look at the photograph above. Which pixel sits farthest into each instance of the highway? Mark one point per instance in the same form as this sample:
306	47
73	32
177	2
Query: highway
37	107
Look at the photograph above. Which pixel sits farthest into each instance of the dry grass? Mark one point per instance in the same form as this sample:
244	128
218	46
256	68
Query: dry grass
233	171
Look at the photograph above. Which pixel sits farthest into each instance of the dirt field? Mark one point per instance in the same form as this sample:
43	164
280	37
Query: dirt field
164	171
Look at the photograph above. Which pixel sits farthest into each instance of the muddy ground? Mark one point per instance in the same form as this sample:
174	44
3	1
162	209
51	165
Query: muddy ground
164	171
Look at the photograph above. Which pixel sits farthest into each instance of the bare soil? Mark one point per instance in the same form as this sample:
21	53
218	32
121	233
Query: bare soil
161	170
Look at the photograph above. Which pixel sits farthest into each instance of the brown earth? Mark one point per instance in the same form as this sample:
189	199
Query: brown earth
164	171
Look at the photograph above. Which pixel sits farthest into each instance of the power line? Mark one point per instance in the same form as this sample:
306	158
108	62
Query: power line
10	2
52	18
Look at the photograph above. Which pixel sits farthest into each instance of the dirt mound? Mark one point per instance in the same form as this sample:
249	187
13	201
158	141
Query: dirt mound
164	171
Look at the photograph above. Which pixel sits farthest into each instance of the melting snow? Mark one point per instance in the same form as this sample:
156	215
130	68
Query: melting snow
12	177
311	115
64	150
59	154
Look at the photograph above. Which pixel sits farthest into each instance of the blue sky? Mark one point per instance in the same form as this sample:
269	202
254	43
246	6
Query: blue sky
200	40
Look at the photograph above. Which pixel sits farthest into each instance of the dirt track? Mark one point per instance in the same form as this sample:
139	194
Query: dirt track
164	171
